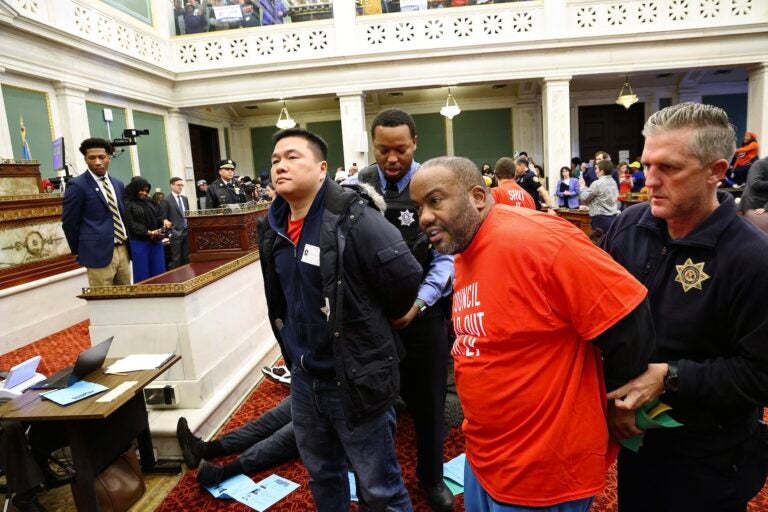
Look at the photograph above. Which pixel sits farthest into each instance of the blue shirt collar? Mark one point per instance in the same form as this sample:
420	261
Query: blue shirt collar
402	182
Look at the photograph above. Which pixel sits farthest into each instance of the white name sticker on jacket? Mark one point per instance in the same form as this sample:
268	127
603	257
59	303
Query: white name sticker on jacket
311	255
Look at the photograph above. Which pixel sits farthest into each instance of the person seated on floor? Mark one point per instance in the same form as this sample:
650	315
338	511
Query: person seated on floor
744	157
264	442
25	463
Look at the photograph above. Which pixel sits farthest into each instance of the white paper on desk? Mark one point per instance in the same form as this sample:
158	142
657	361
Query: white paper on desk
138	362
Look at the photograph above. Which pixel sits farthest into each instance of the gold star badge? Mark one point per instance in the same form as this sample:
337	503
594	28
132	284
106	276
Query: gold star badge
691	275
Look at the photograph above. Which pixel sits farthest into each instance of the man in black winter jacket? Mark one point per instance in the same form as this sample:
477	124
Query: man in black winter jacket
335	272
705	270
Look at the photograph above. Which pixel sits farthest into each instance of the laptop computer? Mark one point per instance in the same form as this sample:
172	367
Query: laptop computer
87	362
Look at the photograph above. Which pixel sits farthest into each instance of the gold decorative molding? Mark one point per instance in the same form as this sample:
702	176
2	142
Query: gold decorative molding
169	289
43	195
30	213
228	211
18	162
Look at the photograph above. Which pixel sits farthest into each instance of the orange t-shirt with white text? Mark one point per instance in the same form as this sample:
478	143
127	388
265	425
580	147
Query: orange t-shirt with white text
530	291
509	192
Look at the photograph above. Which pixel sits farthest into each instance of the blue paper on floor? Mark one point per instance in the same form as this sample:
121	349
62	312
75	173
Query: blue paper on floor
453	474
257	495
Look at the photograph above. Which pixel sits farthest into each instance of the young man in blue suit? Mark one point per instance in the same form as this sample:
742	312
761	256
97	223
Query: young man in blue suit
93	218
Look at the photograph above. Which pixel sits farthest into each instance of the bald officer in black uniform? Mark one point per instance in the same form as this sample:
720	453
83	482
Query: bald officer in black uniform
225	190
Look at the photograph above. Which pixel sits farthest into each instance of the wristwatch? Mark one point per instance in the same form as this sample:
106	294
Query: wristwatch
672	381
421	305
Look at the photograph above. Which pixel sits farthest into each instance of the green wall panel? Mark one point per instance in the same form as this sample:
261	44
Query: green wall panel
153	150
137	8
33	107
736	107
430	130
121	166
261	144
330	131
483	135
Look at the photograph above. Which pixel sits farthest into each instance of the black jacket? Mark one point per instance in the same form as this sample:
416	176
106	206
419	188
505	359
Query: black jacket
707	296
142	216
219	194
368	276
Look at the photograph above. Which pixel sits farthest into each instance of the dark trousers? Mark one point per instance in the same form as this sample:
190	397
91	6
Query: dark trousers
423	376
264	442
21	470
326	441
740	173
602	222
660	480
179	250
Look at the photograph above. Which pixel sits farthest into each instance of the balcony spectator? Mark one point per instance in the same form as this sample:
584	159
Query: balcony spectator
194	20
250	14
272	12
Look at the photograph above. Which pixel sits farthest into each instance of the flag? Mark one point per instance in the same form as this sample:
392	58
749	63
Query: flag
25	154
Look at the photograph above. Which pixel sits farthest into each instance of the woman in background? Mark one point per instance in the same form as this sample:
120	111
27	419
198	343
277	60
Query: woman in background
145	230
567	189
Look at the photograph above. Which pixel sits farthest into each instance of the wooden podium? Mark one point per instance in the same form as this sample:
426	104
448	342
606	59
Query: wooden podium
32	244
224	233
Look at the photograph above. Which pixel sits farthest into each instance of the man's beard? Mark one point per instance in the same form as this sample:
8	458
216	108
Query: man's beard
462	230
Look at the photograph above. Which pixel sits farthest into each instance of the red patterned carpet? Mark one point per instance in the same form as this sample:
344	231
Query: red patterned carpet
61	349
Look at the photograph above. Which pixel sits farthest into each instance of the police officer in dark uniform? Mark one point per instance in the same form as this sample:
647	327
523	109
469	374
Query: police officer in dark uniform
531	184
423	330
225	190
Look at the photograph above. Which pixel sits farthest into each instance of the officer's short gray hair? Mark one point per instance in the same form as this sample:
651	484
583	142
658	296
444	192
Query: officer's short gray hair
714	137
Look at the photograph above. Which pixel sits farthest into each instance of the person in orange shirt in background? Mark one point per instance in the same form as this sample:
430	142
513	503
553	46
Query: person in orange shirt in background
532	384
745	155
508	191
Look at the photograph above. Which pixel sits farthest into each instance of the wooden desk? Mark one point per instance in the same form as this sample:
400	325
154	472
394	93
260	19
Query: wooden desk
579	218
97	432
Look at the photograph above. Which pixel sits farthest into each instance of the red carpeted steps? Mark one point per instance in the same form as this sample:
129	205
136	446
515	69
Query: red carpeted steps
61	349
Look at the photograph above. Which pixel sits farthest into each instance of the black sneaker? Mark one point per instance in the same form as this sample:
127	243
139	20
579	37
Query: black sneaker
187	443
278	374
209	474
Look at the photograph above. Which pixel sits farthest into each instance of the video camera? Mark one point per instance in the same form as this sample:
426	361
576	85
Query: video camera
129	137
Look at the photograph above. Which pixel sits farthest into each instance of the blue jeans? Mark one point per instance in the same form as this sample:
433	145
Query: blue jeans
326	442
476	499
147	258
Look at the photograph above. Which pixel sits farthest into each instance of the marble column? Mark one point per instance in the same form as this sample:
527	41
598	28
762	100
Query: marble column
180	152
73	117
555	98
757	103
526	127
6	146
242	152
353	129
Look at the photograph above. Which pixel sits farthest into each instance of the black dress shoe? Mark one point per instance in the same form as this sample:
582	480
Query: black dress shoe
210	474
188	444
54	480
440	498
27	502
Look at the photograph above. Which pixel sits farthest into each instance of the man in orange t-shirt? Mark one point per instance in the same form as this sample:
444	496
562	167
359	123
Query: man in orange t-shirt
532	381
508	191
